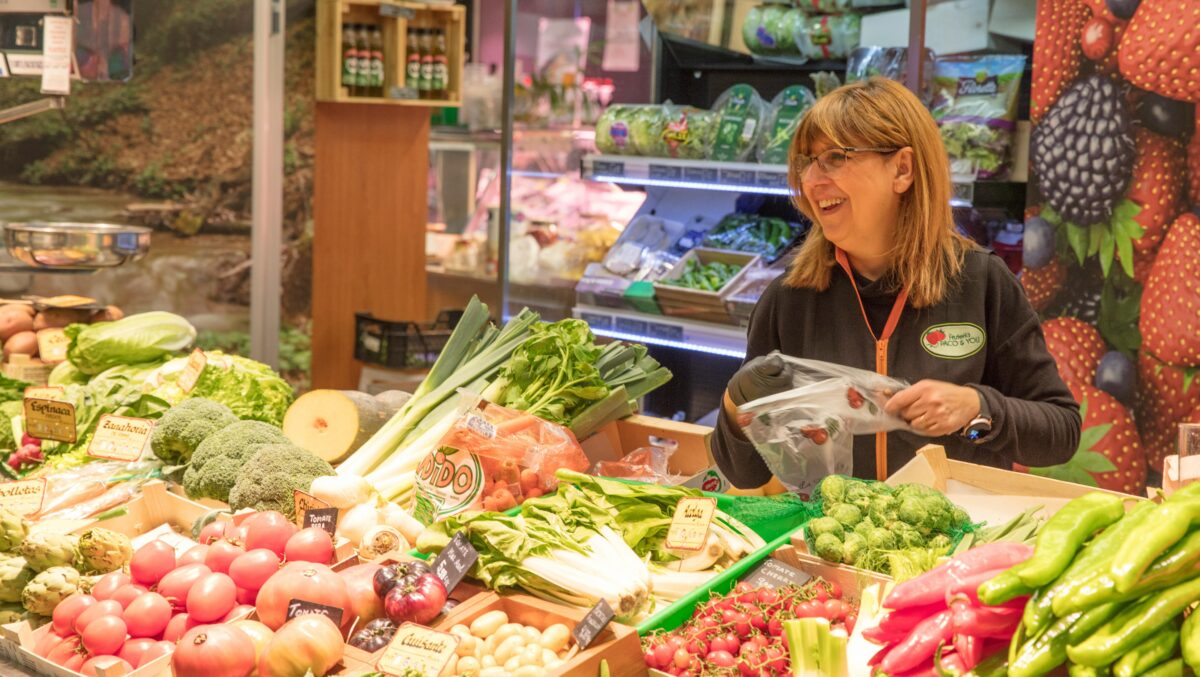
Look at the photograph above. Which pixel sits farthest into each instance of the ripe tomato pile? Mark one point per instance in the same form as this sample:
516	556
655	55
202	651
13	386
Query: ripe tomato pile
741	633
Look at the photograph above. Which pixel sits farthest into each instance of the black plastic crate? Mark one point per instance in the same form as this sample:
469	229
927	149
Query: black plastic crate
402	344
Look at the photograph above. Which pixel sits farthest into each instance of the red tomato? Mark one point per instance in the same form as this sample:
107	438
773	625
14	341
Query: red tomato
179	624
148	615
768	596
268	529
213	531
104	636
160	649
663	654
245	596
210	650
304	643
194	555
820	594
238	612
360	589
835	590
221	555
133	649
850	622
67	653
309	545
108	584
809	609
258	633
151	562
721	659
108	607
112	666
127	593
68	610
311	582
211	598
682	658
175	585
252	569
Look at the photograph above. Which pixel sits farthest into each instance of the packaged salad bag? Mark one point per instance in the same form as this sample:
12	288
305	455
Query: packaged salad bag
975	105
807	433
890	63
740	111
782	120
829	37
770	28
687	132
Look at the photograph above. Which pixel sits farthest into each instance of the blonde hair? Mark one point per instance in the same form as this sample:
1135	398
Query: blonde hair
877	113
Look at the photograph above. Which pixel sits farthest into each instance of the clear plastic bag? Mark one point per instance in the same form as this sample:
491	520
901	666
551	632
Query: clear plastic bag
740	112
646	464
783	118
808	432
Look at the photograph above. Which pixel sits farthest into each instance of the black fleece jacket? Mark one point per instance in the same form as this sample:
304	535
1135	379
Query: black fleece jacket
984	335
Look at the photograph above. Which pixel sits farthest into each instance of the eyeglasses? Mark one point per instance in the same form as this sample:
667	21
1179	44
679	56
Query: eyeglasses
834	159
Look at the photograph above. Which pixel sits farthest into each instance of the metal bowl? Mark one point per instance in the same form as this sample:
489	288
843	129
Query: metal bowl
75	246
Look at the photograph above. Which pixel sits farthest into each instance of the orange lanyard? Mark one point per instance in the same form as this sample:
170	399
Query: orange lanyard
881	352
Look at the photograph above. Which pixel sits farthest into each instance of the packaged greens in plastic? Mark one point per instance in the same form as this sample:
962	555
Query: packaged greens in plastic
740	111
829	37
686	134
890	63
612	130
975	104
782	119
646	126
770	28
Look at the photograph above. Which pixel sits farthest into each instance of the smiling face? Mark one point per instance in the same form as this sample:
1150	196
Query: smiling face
857	205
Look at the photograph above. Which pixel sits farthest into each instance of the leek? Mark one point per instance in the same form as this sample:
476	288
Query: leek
675	585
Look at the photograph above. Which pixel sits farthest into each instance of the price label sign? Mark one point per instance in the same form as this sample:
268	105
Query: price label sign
325	518
415	647
587	630
772	573
455	560
45	392
68	301
192	370
23	497
305	502
120	438
301	607
690	524
48	419
52	345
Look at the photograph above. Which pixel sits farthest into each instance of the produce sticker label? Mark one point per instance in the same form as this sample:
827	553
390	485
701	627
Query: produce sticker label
23	497
953	341
192	370
455	560
775	574
52	345
120	438
50	420
45	392
304	502
415	647
689	526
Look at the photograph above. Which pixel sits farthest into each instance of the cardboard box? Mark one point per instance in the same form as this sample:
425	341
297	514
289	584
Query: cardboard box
619	438
618	644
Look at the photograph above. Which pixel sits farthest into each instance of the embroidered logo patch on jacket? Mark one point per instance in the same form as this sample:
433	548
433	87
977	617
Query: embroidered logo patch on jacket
953	341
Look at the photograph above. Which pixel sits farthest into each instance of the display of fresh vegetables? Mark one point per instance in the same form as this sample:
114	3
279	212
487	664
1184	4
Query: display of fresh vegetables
743	632
493	645
900	531
936	622
765	235
704	276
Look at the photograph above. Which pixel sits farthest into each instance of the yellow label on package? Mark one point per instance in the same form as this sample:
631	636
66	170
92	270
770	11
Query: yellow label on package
192	371
45	392
23	497
50	419
120	438
52	345
689	526
415	647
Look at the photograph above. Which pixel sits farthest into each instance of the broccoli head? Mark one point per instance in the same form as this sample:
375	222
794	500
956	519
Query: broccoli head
269	480
826	525
185	426
218	460
829	548
847	514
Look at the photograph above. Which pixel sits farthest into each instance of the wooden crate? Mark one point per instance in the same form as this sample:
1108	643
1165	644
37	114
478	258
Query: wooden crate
332	14
619	438
696	304
24	638
618	644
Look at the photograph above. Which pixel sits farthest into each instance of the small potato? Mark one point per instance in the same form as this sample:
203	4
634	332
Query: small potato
109	314
532	635
486	625
468	665
23	308
548	656
511	665
508	630
460	630
509	648
467	645
14	322
493	672
23	343
555	637
59	317
551	665
531	655
488	661
490	644
529	671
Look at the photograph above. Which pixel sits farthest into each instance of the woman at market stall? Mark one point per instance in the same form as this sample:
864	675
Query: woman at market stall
885	283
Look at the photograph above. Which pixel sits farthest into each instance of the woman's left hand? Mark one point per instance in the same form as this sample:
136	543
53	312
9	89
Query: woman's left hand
935	408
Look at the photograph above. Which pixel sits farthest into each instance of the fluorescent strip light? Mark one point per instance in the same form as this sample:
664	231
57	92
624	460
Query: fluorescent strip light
667	343
695	185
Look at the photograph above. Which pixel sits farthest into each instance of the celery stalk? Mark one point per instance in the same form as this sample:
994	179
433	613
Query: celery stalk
816	651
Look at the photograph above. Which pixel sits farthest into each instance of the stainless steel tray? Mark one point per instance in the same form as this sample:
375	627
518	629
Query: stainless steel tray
75	246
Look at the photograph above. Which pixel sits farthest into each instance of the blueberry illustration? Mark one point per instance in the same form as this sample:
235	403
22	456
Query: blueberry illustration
1039	242
1116	375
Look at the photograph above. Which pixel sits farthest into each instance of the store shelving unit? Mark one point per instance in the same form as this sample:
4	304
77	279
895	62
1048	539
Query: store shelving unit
737	177
669	332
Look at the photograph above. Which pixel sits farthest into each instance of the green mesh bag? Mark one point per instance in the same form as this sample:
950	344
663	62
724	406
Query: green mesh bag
875	526
770	516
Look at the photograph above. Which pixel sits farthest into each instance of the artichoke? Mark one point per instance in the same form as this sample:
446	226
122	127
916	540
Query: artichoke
46	549
14	576
49	588
13	529
11	613
102	550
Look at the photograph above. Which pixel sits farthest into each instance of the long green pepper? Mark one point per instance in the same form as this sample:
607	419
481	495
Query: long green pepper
1065	533
1086	671
1045	652
1159	648
1172	668
1134	625
1169	523
1092	620
1189	639
1179	564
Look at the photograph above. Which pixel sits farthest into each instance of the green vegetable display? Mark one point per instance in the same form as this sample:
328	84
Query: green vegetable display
765	235
782	120
250	389
704	276
771	28
874	526
686	133
185	426
217	462
646	126
138	338
116	395
270	478
614	134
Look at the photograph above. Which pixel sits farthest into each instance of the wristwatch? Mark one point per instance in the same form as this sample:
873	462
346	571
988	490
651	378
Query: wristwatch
981	425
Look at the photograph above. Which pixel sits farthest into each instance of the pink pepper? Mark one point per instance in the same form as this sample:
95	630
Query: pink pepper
920	645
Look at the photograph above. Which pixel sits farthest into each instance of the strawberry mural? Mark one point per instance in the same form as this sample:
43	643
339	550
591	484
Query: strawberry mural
1112	244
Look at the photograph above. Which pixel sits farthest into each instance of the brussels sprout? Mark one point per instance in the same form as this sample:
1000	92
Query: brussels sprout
832	488
852	547
829	548
959	517
912	510
865	527
881	539
826	525
847	514
940	542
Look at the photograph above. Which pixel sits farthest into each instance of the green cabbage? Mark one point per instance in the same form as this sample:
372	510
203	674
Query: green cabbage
252	390
132	340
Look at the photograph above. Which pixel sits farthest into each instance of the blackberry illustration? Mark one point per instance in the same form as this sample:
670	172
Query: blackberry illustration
1080	297
1083	151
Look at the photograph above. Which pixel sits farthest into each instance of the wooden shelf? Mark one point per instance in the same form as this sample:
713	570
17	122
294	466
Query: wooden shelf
393	20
